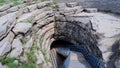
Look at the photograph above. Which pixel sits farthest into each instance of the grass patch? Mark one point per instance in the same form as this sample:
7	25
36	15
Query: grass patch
9	61
15	2
43	0
31	56
23	40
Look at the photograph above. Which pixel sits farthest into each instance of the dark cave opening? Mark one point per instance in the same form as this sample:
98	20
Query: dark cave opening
56	58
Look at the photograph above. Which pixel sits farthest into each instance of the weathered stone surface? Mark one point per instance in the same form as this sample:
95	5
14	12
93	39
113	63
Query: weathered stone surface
21	6
110	27
2	66
91	10
76	29
61	5
117	63
6	47
17	48
44	22
19	12
40	57
13	9
8	38
16	52
29	43
32	7
69	11
3	13
44	15
43	4
72	4
11	36
7	22
5	7
16	62
29	16
19	44
22	27
25	9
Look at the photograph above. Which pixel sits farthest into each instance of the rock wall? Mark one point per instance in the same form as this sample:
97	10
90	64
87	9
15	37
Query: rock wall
104	5
27	32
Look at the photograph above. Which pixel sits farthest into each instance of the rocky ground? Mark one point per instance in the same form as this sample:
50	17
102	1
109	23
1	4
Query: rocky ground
28	30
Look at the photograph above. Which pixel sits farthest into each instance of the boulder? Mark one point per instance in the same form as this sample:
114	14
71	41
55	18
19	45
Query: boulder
13	9
19	44
2	66
40	57
17	48
117	63
22	27
6	47
6	23
29	43
43	4
5	7
32	7
91	10
16	52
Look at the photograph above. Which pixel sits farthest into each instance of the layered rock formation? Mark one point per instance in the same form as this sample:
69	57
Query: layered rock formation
27	32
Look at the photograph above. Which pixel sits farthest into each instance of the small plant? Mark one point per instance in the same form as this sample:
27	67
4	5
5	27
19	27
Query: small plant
43	0
23	40
31	56
8	61
30	21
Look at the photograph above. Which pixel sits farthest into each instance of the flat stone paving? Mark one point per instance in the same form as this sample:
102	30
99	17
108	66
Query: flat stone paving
77	61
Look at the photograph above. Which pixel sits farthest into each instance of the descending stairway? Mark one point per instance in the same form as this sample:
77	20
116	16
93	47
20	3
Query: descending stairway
77	60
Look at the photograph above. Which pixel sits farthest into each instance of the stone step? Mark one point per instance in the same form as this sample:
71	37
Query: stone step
77	61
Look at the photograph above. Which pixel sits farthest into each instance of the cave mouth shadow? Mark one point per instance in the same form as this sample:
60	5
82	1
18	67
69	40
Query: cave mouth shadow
57	58
60	43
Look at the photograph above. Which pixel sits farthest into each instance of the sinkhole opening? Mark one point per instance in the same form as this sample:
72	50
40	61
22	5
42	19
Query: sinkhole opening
56	58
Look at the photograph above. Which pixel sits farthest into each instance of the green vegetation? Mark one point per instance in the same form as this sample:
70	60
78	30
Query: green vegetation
43	0
8	61
31	56
23	40
15	2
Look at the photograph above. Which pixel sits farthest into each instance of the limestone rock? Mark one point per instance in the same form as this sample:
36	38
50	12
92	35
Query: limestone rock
5	7
22	27
40	57
44	15
19	12
69	11
29	43
11	37
13	9
117	63
91	10
72	4
61	5
32	7
25	9
16	52
6	23
43	4
16	62
1	66
5	48
3	13
29	16
17	48
19	44
8	38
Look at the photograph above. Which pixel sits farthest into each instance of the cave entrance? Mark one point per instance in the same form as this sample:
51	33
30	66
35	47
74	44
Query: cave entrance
56	58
